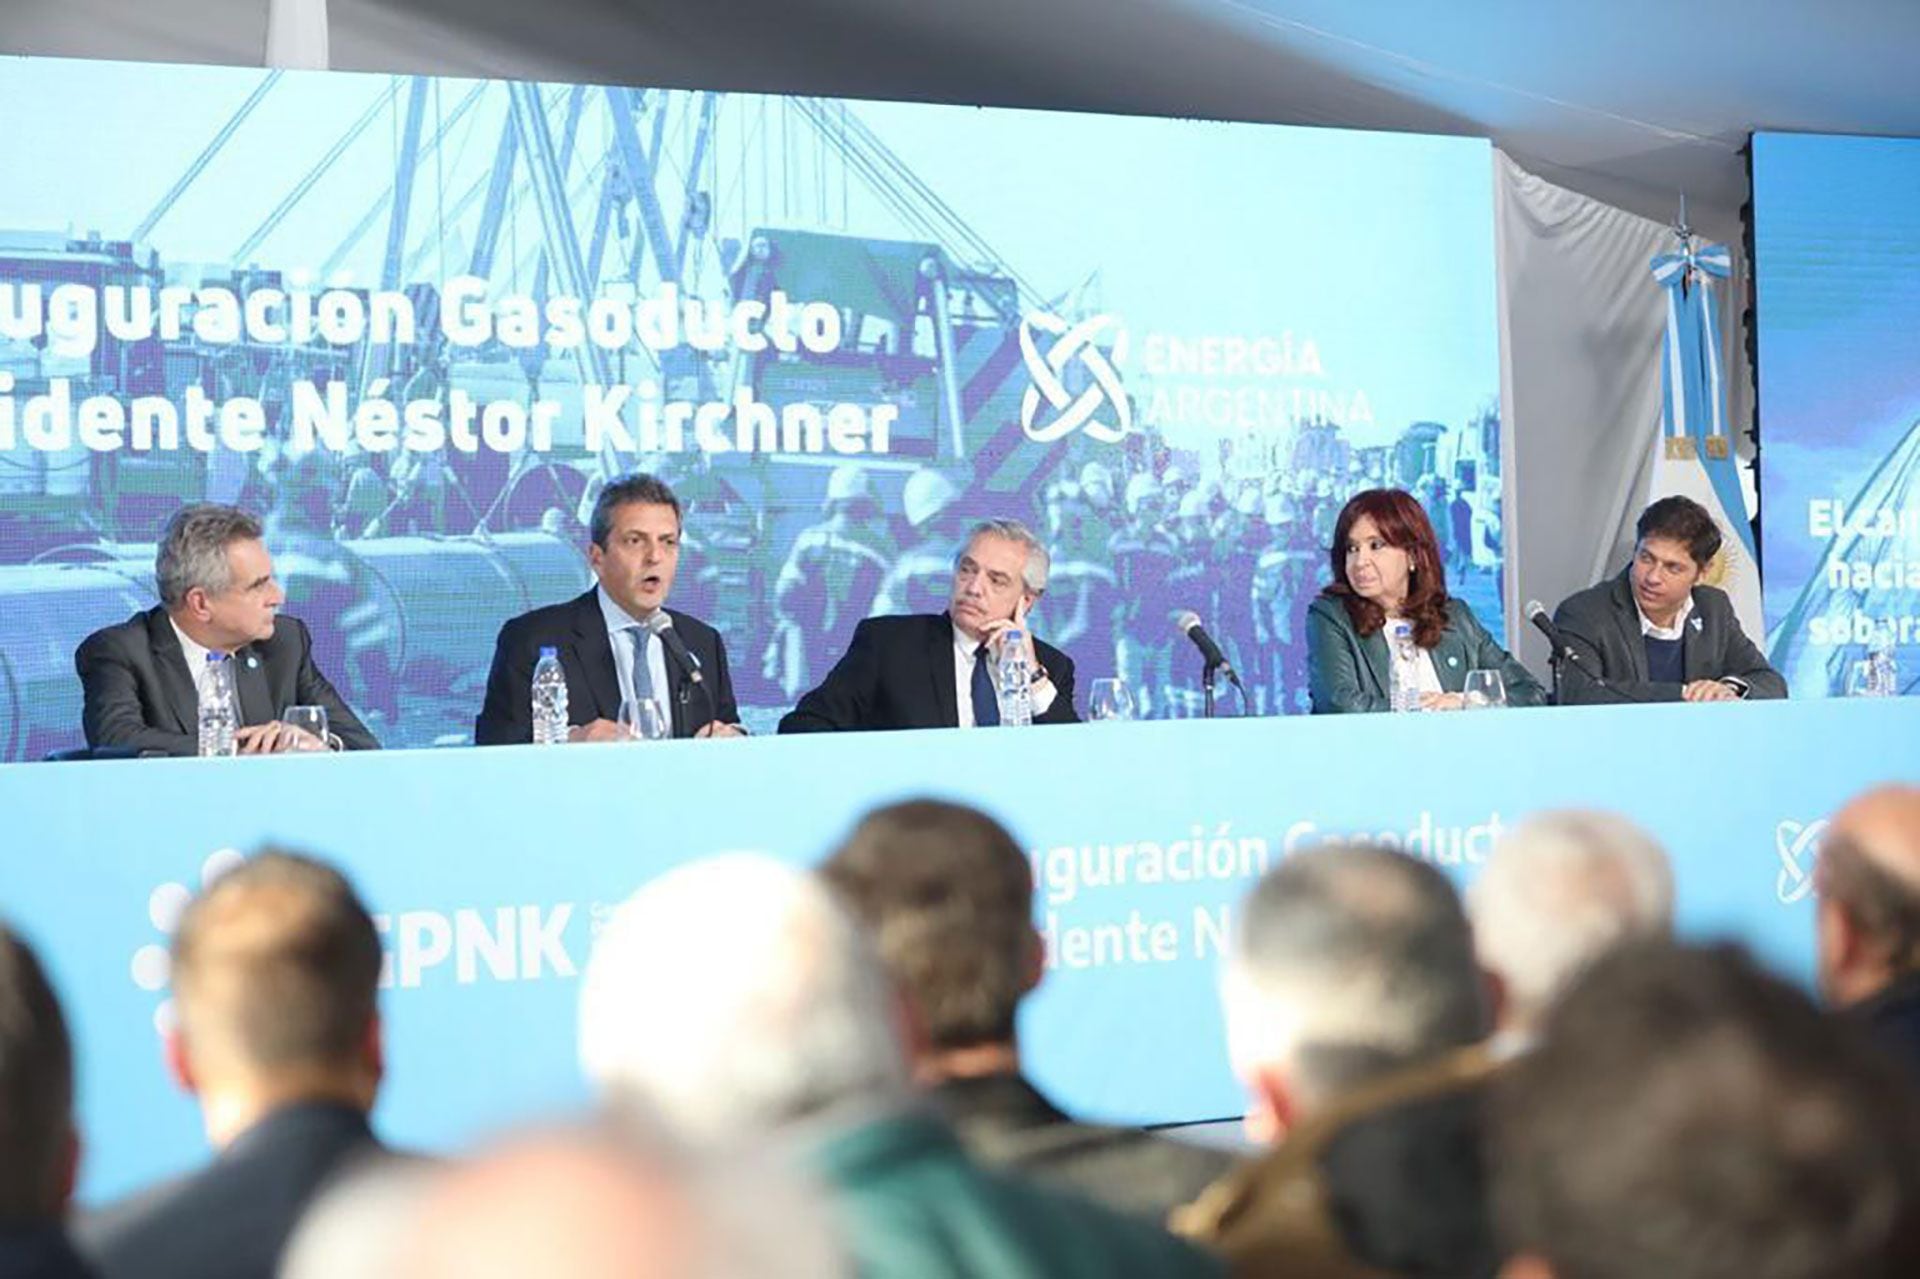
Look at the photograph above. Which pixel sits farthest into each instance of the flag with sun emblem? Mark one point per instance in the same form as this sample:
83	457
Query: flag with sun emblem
1693	456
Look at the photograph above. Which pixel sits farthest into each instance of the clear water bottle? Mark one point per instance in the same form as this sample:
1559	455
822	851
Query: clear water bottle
549	699
1403	691
1016	680
219	708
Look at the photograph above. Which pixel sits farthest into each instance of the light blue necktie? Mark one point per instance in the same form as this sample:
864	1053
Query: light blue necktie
642	682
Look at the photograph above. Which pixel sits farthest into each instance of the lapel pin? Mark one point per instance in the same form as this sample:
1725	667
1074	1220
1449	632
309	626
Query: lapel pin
1697	626
1453	661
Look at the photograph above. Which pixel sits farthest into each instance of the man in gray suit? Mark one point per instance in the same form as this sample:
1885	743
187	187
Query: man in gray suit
1656	633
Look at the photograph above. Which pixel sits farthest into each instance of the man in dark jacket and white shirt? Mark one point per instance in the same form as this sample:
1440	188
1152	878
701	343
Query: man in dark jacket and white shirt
274	970
618	642
143	677
1657	633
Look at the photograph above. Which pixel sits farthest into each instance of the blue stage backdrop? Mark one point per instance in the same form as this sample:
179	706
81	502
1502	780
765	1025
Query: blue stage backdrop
416	323
490	870
1837	256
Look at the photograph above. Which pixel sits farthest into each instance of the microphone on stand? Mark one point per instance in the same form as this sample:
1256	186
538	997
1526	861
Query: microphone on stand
1189	623
661	624
1537	614
1566	653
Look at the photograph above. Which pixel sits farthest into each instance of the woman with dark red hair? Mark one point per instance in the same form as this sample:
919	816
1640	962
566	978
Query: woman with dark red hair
1387	580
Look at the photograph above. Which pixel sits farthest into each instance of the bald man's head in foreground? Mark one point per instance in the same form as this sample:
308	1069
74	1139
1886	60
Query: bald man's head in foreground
1869	892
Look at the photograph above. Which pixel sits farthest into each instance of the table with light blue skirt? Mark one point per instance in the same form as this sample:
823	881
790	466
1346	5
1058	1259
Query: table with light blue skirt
489	871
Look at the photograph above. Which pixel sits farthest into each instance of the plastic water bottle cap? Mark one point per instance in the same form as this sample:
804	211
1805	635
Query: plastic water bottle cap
549	650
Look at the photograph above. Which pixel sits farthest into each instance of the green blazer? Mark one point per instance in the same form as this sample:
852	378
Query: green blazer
914	1206
1349	673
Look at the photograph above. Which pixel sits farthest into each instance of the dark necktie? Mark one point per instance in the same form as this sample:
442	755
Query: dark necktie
986	703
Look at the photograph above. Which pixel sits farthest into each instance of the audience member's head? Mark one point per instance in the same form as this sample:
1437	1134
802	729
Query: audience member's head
1560	890
736	995
275	965
1869	884
1687	1116
1347	964
949	896
39	1151
587	1205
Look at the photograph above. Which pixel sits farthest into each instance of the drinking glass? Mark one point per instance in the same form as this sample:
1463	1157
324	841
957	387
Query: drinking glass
644	719
311	723
1109	699
1484	689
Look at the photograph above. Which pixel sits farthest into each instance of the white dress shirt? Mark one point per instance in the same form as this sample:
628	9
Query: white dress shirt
196	655
963	650
619	620
1676	631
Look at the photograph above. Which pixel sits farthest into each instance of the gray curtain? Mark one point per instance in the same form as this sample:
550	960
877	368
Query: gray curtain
1580	332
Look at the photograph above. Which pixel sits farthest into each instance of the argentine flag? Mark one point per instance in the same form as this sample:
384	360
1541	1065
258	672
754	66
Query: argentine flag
1693	456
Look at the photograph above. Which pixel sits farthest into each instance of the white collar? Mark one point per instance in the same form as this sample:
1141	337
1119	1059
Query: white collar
617	618
193	650
964	644
1676	631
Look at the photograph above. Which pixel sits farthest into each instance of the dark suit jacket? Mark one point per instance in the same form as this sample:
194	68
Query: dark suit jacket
231	1219
1350	673
40	1252
1892	1017
579	630
1005	1122
1602	624
898	673
139	693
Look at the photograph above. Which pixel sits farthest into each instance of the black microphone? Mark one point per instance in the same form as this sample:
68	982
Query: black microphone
1563	651
1537	614
1189	623
662	625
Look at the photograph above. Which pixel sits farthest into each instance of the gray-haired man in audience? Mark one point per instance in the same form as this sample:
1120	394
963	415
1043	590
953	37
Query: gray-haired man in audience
1355	1013
1561	889
740	1002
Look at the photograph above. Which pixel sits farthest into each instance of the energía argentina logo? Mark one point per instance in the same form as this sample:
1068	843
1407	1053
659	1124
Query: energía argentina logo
1051	410
1798	846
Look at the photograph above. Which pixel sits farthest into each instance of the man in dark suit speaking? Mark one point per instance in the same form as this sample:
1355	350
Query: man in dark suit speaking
611	641
1657	633
142	677
936	670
